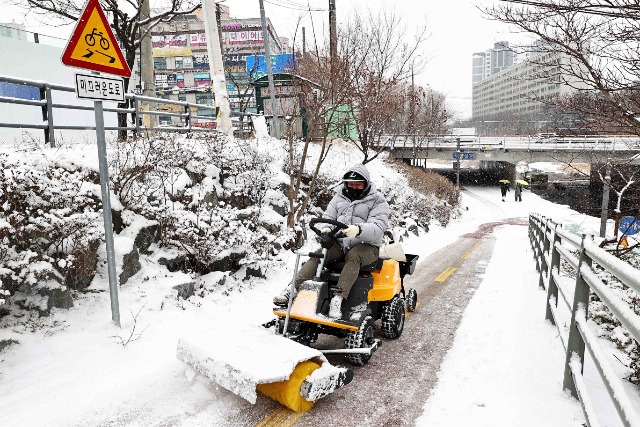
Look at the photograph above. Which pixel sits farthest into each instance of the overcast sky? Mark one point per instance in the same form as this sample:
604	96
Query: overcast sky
457	30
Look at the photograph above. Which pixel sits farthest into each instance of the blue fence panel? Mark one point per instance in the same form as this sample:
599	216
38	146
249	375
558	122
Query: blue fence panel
19	91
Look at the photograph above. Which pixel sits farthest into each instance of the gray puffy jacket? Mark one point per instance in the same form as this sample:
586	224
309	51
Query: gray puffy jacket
370	212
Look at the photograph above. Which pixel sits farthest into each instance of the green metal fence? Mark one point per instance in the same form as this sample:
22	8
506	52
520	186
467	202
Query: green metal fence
554	246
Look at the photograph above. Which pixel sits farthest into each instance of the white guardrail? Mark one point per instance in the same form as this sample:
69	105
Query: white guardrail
552	246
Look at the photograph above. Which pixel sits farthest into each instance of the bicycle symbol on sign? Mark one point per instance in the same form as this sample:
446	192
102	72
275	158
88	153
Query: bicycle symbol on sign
90	39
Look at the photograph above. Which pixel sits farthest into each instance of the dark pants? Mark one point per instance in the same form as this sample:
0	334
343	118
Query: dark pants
355	258
518	197
503	191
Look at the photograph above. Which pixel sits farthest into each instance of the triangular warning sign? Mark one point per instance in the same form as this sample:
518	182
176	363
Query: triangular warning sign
92	45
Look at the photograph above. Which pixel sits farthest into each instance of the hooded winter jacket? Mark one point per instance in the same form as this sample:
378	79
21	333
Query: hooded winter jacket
370	212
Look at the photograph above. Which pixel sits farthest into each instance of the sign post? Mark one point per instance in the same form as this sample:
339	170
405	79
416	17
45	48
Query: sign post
92	46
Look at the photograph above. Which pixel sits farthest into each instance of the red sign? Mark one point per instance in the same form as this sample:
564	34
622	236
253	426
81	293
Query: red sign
93	46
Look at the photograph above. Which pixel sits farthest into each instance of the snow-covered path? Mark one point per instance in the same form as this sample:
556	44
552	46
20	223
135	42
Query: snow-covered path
505	366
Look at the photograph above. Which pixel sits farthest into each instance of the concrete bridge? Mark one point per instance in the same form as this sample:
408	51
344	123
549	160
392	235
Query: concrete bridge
512	150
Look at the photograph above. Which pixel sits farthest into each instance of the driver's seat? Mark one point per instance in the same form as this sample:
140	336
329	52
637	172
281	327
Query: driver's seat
369	268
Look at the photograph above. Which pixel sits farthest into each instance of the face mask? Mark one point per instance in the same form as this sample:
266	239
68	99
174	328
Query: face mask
353	193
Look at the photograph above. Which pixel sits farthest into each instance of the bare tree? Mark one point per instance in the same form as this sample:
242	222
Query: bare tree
128	25
600	38
354	96
326	113
380	59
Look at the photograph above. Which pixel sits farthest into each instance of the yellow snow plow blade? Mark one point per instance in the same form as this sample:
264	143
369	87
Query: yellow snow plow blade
288	392
247	358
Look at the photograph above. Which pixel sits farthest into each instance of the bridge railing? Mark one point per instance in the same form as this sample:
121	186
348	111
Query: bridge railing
507	142
189	116
557	250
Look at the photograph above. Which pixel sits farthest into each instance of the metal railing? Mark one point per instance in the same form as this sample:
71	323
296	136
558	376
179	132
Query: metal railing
553	245
186	112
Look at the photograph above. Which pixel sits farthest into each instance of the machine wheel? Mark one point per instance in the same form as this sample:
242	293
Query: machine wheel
393	318
362	338
412	299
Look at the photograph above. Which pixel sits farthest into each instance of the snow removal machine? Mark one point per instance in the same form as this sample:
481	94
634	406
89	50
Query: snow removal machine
278	360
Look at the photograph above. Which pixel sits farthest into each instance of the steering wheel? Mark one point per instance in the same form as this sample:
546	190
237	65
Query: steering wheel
338	226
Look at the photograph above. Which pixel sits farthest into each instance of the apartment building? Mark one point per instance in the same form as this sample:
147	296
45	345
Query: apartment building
520	88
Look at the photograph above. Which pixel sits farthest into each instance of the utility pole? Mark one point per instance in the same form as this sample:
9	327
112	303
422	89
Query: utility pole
267	60
412	116
216	67
412	105
147	83
219	22
333	35
304	42
333	45
458	163
604	212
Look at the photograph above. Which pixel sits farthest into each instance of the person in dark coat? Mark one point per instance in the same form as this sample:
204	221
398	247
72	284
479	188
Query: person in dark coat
518	192
359	204
504	187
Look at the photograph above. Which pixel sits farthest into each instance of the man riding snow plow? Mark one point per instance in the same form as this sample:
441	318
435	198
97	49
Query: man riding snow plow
340	291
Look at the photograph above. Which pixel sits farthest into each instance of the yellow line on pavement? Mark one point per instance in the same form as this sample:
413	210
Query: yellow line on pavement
280	417
445	274
467	255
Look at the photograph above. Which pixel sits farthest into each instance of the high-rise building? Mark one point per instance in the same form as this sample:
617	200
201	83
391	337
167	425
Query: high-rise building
520	88
492	61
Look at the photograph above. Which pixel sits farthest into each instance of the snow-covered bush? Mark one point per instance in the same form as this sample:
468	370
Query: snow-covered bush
205	192
420	196
219	204
50	217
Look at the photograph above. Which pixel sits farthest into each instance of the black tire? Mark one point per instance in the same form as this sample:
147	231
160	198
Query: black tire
393	318
362	338
412	299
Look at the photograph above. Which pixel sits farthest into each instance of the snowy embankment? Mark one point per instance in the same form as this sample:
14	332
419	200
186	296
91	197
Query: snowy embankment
79	369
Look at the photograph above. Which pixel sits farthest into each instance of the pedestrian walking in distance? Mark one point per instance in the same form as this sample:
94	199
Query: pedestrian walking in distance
504	187
518	192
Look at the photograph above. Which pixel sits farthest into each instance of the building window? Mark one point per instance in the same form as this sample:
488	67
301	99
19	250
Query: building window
160	63
205	99
162	81
180	80
5	31
202	79
182	97
179	63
